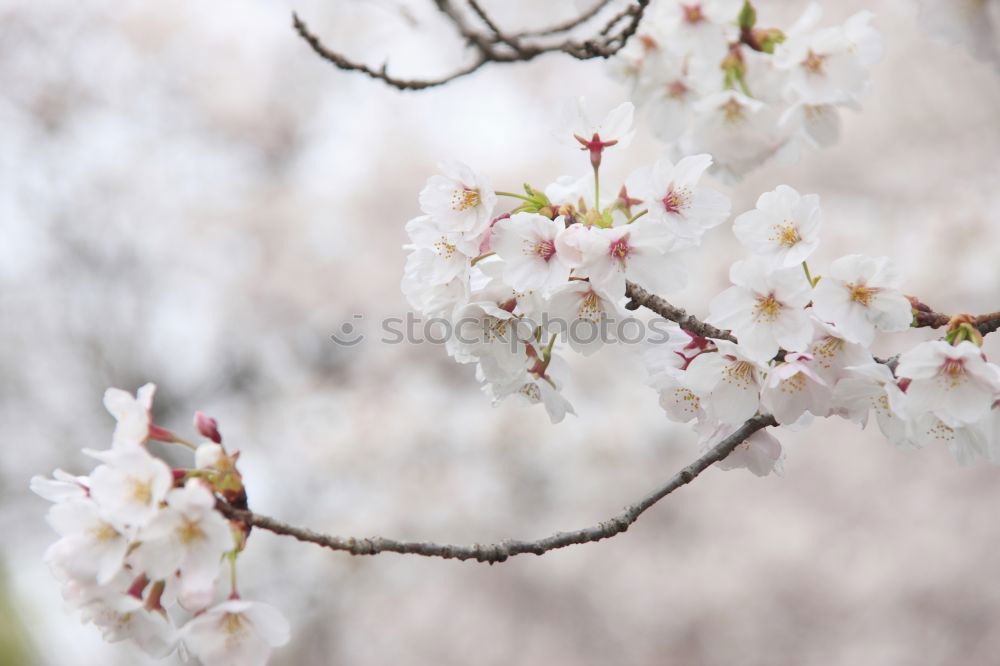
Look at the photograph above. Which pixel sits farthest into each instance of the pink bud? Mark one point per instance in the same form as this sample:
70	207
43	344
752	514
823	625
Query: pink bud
207	427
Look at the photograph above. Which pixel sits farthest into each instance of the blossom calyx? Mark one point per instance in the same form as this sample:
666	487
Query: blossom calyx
536	202
962	327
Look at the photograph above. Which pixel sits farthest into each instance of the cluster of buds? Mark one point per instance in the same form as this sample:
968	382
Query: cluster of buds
713	81
143	546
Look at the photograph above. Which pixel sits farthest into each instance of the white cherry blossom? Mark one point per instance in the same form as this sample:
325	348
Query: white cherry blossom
133	414
968	442
833	354
578	125
583	315
61	487
527	244
784	227
636	251
700	27
764	308
665	362
446	251
236	633
872	387
760	453
188	536
91	547
424	295
460	200
955	383
829	65
534	390
490	335
861	295
793	388
129	486
123	617
671	195
738	131
728	382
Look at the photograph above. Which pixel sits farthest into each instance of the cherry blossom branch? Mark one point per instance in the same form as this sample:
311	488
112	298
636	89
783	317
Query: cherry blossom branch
640	297
499	552
923	316
495	45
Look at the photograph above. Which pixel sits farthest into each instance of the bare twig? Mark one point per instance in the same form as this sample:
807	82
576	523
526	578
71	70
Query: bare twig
925	317
499	552
493	47
403	84
640	297
568	25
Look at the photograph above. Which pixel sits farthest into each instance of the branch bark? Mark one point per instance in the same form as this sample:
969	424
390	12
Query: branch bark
500	552
495	45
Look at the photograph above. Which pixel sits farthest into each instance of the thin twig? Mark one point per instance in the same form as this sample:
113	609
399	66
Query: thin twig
640	297
486	45
568	25
499	552
348	65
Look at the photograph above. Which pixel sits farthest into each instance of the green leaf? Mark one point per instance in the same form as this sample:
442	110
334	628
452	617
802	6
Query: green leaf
748	16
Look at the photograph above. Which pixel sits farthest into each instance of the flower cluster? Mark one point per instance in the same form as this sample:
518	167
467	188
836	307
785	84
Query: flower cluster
803	350
142	545
789	344
558	258
713	82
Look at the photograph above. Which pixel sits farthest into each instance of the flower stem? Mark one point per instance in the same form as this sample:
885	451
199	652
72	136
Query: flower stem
597	190
516	196
805	267
480	258
637	216
231	556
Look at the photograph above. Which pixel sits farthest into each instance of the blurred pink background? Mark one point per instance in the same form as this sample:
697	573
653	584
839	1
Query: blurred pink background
189	196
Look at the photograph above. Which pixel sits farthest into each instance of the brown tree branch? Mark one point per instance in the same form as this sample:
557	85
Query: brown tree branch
568	25
382	75
499	552
640	297
923	316
494	46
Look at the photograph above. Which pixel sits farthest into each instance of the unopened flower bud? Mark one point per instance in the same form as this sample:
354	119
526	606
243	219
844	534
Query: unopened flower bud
207	427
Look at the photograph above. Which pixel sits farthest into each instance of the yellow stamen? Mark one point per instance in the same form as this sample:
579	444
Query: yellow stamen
767	308
787	235
464	199
861	294
813	62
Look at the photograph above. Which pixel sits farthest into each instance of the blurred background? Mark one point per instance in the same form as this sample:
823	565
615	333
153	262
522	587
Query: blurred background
189	196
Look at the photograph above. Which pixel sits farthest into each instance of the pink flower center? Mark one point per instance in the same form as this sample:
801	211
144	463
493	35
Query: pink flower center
676	89
619	249
545	249
675	200
813	63
953	368
693	13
